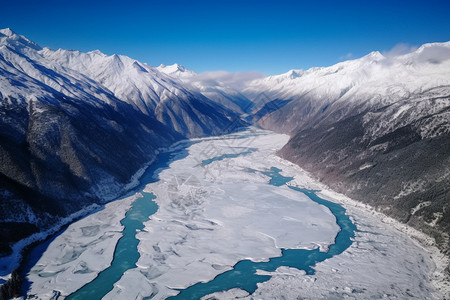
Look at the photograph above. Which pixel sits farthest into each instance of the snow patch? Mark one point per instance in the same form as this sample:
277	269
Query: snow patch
420	206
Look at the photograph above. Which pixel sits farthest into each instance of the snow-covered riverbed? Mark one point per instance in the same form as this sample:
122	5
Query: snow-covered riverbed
213	215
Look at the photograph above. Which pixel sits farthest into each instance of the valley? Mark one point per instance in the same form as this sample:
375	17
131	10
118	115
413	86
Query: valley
130	180
199	203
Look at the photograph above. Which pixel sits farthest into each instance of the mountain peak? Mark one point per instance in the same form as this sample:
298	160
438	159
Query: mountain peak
7	32
175	70
97	52
16	41
375	55
172	68
295	73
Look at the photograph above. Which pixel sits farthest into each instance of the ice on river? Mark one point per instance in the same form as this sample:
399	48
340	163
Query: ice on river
77	255
211	216
382	263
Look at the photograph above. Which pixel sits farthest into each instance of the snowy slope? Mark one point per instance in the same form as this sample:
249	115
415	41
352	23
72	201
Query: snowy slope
20	59
137	83
353	86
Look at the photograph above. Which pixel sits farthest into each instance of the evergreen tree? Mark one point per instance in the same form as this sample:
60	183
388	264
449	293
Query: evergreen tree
12	287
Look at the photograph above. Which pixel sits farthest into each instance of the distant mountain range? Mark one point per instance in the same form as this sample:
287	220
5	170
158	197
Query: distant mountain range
76	127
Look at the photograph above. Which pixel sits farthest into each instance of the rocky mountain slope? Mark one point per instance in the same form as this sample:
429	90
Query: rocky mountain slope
76	127
375	128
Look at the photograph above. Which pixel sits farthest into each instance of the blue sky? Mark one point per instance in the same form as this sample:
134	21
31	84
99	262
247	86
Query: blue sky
266	36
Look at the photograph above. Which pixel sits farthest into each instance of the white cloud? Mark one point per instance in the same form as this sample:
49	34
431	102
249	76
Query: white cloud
428	53
346	56
399	49
236	80
435	54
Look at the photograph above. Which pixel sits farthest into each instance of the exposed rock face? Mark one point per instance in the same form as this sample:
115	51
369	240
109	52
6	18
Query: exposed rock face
401	172
57	157
376	129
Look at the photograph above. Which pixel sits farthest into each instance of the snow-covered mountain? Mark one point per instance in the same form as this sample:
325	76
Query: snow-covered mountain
376	128
147	89
75	127
369	82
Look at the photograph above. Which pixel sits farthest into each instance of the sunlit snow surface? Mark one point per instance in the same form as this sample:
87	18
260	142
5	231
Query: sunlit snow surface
212	216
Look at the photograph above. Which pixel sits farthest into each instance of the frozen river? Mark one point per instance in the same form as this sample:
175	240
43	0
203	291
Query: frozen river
225	215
